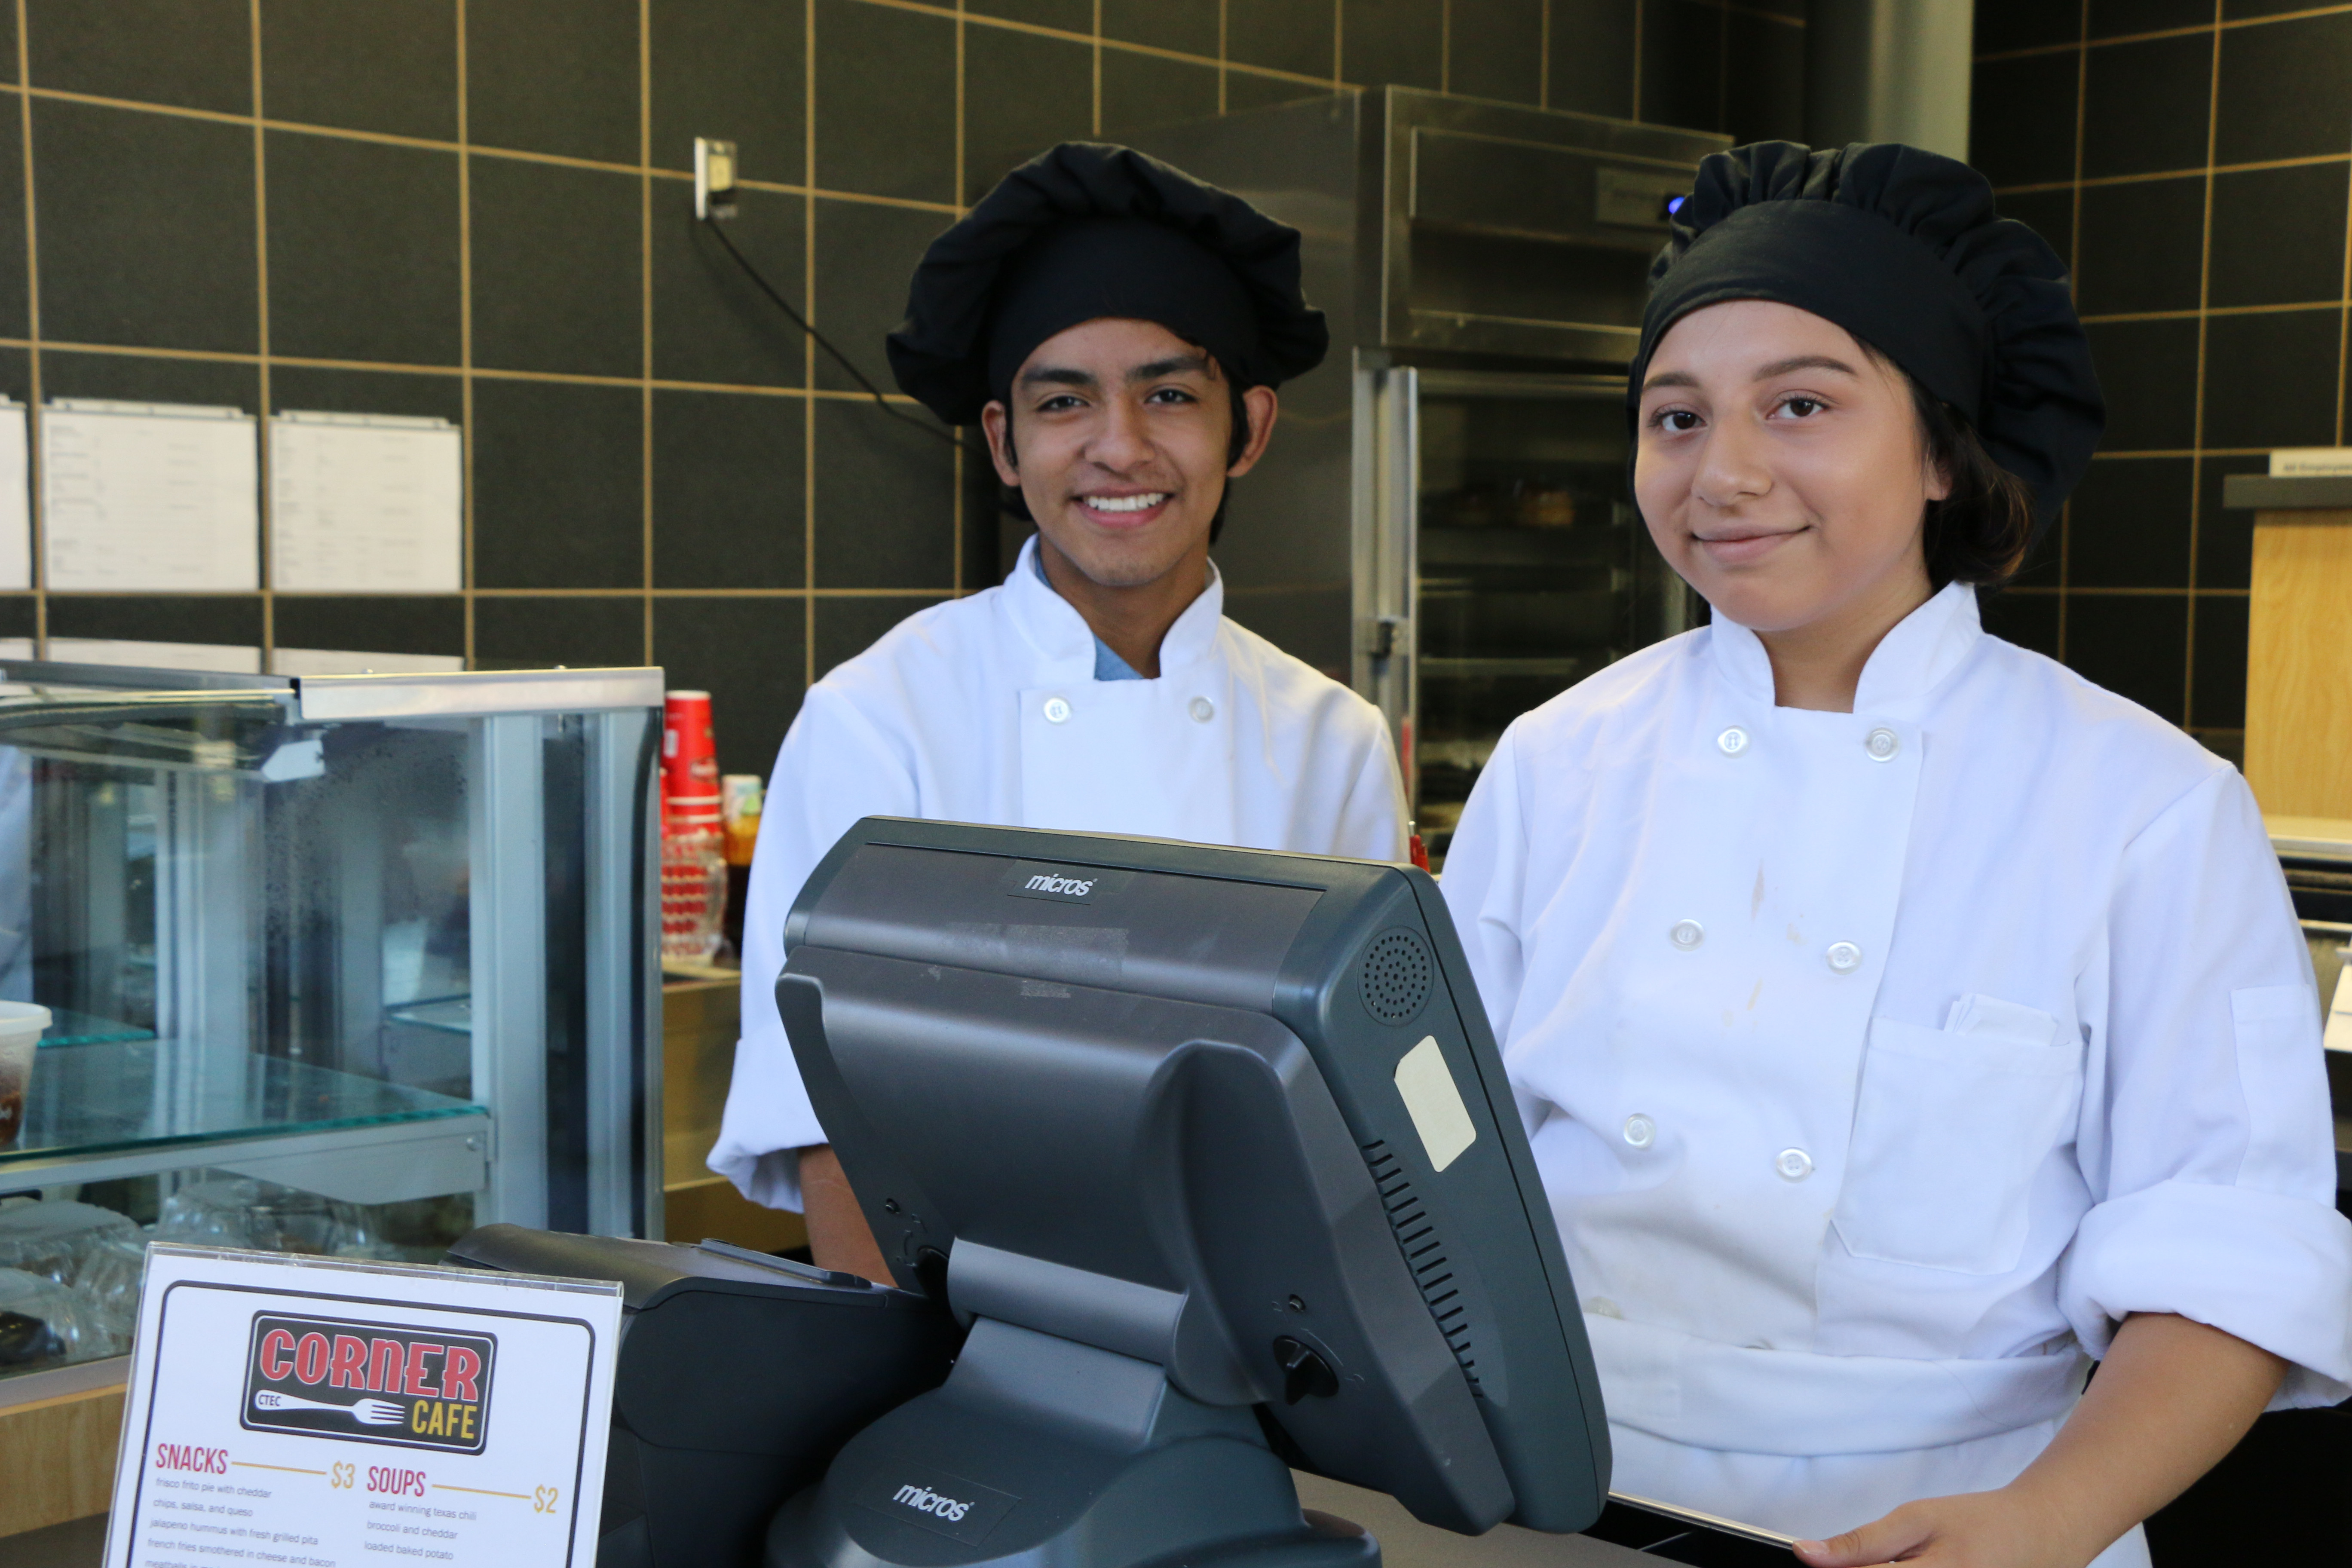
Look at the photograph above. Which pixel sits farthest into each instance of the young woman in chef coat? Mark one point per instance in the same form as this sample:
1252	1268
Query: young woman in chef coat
1901	1021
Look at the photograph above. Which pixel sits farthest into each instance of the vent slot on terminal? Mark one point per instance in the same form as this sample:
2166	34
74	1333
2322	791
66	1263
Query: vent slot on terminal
1424	1254
1397	974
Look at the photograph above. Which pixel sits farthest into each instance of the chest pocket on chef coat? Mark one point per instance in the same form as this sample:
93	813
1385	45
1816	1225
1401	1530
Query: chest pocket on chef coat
1949	1127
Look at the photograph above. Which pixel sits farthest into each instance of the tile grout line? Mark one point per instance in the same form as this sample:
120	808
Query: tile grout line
2344	323
1543	55
2288	308
35	462
466	333
646	314
2156	176
1640	8
2220	25
690	591
600	165
487	372
2079	592
265	496
808	310
2204	322
956	457
1001	24
1722	67
2074	287
1221	6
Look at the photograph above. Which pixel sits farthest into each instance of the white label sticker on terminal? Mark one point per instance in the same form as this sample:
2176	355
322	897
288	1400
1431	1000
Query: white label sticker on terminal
1434	1103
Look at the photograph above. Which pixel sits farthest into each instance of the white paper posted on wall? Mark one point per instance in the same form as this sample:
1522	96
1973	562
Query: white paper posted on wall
15	500
149	497
365	504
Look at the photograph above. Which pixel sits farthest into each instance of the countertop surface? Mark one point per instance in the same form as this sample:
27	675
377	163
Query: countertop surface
1406	1542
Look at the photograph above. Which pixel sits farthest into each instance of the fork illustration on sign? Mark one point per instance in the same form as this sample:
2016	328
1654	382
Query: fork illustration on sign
366	1412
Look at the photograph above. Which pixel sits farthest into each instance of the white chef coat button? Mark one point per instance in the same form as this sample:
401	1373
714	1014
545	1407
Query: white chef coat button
1639	1131
1732	742
1602	1307
1845	957
1202	710
1794	1164
1686	934
1056	711
1881	743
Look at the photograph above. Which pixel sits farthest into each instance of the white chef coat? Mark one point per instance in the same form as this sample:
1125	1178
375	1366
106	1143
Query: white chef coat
987	709
1878	1063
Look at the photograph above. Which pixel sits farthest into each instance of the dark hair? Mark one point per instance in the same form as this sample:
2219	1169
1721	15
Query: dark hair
1979	533
1013	503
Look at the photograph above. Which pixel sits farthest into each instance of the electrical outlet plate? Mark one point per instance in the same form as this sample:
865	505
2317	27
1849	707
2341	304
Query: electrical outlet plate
714	178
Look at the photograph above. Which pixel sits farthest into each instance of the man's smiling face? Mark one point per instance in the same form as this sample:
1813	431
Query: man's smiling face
1119	436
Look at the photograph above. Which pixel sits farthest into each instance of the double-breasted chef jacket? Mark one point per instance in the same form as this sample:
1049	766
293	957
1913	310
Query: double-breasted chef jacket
986	709
1879	1063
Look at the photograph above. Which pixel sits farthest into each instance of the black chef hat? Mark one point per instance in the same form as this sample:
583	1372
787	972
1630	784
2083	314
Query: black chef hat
1089	230
1902	249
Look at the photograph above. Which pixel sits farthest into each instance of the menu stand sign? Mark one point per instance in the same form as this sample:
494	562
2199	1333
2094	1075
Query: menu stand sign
315	1412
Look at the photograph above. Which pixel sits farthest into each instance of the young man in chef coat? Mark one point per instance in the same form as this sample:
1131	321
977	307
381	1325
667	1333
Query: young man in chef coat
1117	329
1901	1021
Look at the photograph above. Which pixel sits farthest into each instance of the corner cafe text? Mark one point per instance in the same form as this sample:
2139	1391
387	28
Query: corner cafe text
369	1382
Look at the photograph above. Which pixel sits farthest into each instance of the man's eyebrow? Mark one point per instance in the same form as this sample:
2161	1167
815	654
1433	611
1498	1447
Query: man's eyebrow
1175	364
1806	362
1056	375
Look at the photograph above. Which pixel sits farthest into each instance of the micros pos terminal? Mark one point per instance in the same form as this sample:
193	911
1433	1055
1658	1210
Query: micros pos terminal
1214	1152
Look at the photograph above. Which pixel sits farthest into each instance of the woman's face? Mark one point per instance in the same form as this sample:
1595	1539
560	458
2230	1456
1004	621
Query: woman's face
1780	467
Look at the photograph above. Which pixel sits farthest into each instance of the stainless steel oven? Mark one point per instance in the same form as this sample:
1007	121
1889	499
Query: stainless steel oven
1443	519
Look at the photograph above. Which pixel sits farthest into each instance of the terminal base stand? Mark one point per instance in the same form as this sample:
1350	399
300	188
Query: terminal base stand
1041	1453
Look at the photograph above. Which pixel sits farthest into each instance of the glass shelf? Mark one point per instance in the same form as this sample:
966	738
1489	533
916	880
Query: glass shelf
68	1028
148	1105
442	1014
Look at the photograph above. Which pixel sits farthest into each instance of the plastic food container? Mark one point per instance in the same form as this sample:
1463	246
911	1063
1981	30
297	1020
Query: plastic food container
43	1322
21	1024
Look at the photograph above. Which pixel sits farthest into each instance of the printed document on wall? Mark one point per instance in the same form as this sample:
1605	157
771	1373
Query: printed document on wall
149	497
365	504
15	500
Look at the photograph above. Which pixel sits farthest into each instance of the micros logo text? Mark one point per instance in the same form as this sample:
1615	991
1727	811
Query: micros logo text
1069	887
922	1500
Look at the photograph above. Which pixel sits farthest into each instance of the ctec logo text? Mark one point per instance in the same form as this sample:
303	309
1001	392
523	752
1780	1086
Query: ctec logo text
369	1382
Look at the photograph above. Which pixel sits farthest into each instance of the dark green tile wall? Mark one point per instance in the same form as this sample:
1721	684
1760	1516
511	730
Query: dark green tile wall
2191	162
480	211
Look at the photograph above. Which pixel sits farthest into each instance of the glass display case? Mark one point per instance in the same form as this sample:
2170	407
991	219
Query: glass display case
340	965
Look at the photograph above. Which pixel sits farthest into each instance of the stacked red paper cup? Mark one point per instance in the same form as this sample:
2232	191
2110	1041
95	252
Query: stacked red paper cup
694	863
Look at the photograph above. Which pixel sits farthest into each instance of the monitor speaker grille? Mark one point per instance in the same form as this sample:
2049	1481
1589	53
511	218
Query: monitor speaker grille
1397	972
